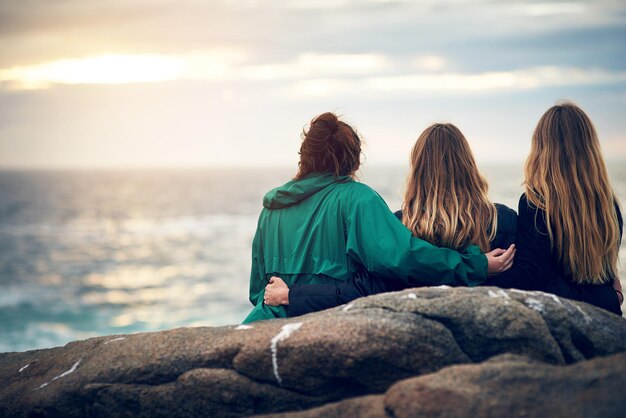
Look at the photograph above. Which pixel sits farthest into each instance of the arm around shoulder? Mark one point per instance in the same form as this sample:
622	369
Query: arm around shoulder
379	242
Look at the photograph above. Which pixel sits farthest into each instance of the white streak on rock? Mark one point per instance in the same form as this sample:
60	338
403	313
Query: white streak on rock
535	304
586	317
24	368
72	370
244	326
284	333
347	307
442	286
410	296
555	298
538	292
499	294
115	339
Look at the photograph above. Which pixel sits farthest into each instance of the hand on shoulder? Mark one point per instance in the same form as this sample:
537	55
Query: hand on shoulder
500	260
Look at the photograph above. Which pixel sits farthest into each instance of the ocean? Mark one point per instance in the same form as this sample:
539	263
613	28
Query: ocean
90	253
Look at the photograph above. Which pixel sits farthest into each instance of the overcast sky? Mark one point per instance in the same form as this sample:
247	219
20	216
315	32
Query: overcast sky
89	83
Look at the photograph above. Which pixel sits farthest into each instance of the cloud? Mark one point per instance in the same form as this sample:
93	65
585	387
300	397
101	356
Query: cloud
309	74
318	65
550	9
429	63
105	69
215	65
36	30
459	83
320	88
523	79
218	64
212	66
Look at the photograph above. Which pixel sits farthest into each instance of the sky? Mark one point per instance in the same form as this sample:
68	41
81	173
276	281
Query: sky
214	83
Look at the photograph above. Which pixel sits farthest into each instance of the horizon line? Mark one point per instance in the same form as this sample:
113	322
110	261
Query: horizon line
244	166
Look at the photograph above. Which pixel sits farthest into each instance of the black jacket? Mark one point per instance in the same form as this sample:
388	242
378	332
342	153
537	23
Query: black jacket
537	267
305	298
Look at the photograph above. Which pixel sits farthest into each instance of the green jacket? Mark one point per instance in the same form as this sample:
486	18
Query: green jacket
323	229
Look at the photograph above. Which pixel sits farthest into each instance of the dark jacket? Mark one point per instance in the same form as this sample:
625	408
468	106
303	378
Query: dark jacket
537	267
305	298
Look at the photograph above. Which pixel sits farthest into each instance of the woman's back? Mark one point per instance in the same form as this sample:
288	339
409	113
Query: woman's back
300	218
569	227
566	178
538	267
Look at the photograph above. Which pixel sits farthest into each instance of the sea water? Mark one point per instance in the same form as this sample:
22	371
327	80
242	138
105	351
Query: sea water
89	253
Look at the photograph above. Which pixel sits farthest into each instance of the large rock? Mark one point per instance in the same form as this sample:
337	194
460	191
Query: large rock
272	366
507	386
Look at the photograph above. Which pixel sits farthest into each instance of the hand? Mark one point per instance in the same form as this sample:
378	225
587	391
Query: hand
499	260
617	285
276	292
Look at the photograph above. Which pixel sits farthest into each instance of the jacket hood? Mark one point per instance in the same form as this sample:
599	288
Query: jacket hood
296	191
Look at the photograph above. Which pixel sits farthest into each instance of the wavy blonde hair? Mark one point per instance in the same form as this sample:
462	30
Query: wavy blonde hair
446	200
565	176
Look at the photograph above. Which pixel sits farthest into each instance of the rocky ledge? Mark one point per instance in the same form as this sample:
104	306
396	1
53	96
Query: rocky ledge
480	352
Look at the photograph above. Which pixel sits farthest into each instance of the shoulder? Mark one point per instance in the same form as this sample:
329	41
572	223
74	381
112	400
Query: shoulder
506	227
530	217
356	186
355	197
526	207
505	211
358	191
523	202
507	218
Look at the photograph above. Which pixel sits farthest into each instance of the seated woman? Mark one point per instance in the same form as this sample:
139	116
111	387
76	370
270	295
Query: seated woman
570	225
323	227
445	203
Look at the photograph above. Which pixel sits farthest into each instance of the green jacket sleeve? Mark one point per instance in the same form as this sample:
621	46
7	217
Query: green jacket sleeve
257	270
377	240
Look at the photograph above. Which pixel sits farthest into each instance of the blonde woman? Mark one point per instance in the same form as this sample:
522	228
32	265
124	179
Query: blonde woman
570	225
445	204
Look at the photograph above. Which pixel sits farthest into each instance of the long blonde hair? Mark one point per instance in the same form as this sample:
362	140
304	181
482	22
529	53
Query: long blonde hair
446	200
565	176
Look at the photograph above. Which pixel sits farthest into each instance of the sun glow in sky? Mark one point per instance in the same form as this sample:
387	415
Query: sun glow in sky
317	69
187	83
102	69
